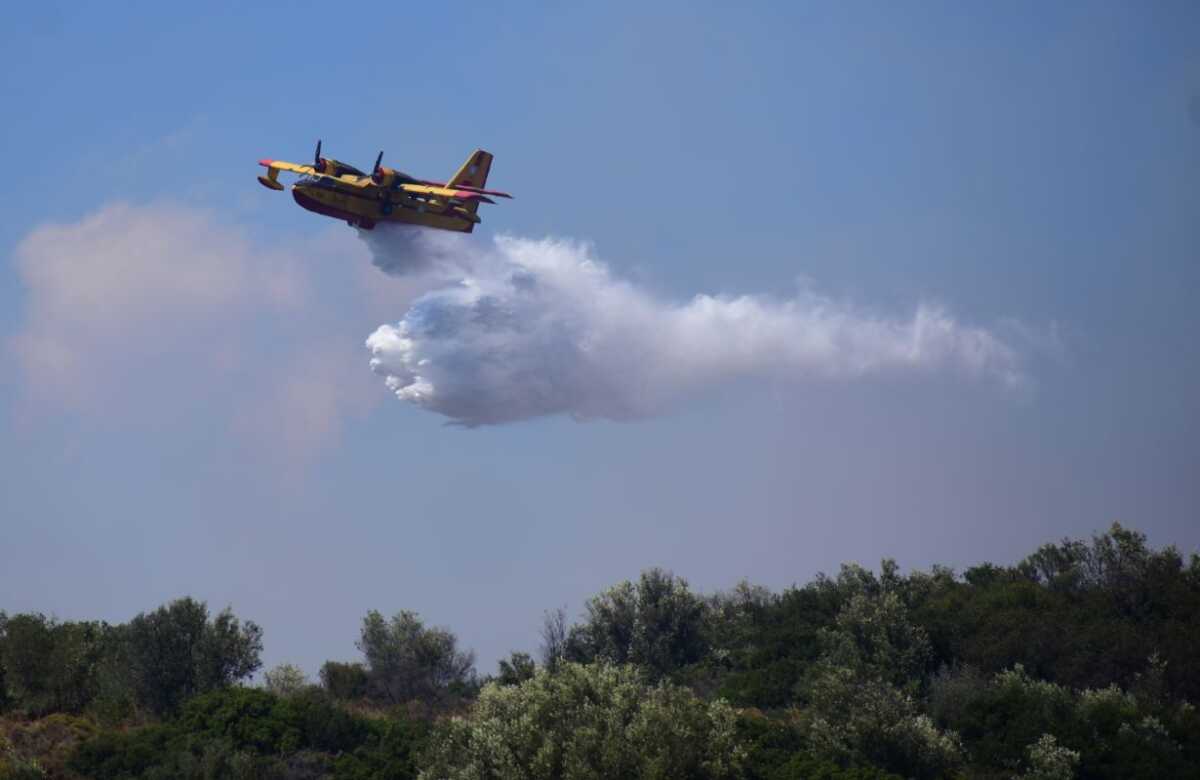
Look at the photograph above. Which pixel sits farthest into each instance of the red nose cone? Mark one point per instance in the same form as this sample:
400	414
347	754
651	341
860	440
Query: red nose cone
265	163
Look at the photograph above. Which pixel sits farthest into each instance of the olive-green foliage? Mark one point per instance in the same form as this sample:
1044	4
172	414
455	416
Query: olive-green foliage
16	768
777	750
406	661
763	642
1084	614
861	694
1049	760
285	680
344	682
516	669
50	666
220	760
248	732
1081	659
874	637
27	647
1111	733
1081	614
39	748
176	652
657	624
587	721
259	721
806	767
122	754
770	743
5	700
156	661
390	751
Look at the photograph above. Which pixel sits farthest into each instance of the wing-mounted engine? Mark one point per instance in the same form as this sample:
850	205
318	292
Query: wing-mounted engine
389	178
332	167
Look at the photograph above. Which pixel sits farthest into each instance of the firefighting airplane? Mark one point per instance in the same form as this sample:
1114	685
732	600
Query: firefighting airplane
341	191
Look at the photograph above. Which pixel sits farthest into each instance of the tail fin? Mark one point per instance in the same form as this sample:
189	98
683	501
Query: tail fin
474	171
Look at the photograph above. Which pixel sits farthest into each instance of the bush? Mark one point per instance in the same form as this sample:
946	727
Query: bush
516	669
41	747
806	767
176	652
860	694
390	750
776	750
1050	761
657	624
344	682
123	754
258	721
249	732
285	680
406	661
47	666
593	721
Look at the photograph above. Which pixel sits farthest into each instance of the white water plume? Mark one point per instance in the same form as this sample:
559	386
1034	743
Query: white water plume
527	328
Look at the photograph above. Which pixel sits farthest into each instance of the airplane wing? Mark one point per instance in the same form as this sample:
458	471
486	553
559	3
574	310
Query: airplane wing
445	192
271	180
481	191
282	165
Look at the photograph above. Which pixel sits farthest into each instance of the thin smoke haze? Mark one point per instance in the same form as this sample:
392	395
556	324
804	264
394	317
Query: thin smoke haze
527	328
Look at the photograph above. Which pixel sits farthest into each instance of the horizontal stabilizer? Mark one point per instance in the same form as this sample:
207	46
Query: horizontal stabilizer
481	191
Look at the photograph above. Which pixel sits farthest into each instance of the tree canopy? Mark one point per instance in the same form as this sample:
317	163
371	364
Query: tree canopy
1080	660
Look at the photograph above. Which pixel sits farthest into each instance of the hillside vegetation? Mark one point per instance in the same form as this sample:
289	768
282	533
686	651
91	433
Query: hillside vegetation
1082	660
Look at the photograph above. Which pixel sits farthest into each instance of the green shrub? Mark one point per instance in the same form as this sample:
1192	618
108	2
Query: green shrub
285	680
391	750
121	754
343	681
248	732
587	721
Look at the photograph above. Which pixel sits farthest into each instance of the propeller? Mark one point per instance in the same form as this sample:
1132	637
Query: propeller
376	174
318	161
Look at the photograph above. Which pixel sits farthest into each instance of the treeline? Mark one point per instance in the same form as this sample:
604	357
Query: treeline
1079	661
150	664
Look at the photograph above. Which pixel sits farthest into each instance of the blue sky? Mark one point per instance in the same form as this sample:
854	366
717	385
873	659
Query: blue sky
1032	168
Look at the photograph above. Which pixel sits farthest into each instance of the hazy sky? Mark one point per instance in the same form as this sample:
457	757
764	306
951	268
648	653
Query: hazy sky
185	400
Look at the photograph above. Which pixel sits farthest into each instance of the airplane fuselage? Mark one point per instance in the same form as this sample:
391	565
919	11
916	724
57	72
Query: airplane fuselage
365	206
336	189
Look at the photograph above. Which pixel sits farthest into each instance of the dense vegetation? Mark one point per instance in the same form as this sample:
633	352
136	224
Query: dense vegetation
1080	661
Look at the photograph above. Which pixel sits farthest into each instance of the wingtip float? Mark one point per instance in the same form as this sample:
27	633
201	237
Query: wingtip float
335	189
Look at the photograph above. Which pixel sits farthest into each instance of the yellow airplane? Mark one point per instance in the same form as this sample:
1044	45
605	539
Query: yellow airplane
341	191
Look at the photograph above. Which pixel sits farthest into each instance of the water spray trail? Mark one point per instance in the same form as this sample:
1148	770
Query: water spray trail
527	328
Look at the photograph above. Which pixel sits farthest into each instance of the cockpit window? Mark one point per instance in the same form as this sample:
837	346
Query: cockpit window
319	182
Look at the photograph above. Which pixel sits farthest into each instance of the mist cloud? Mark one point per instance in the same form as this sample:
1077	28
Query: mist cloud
154	313
527	328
